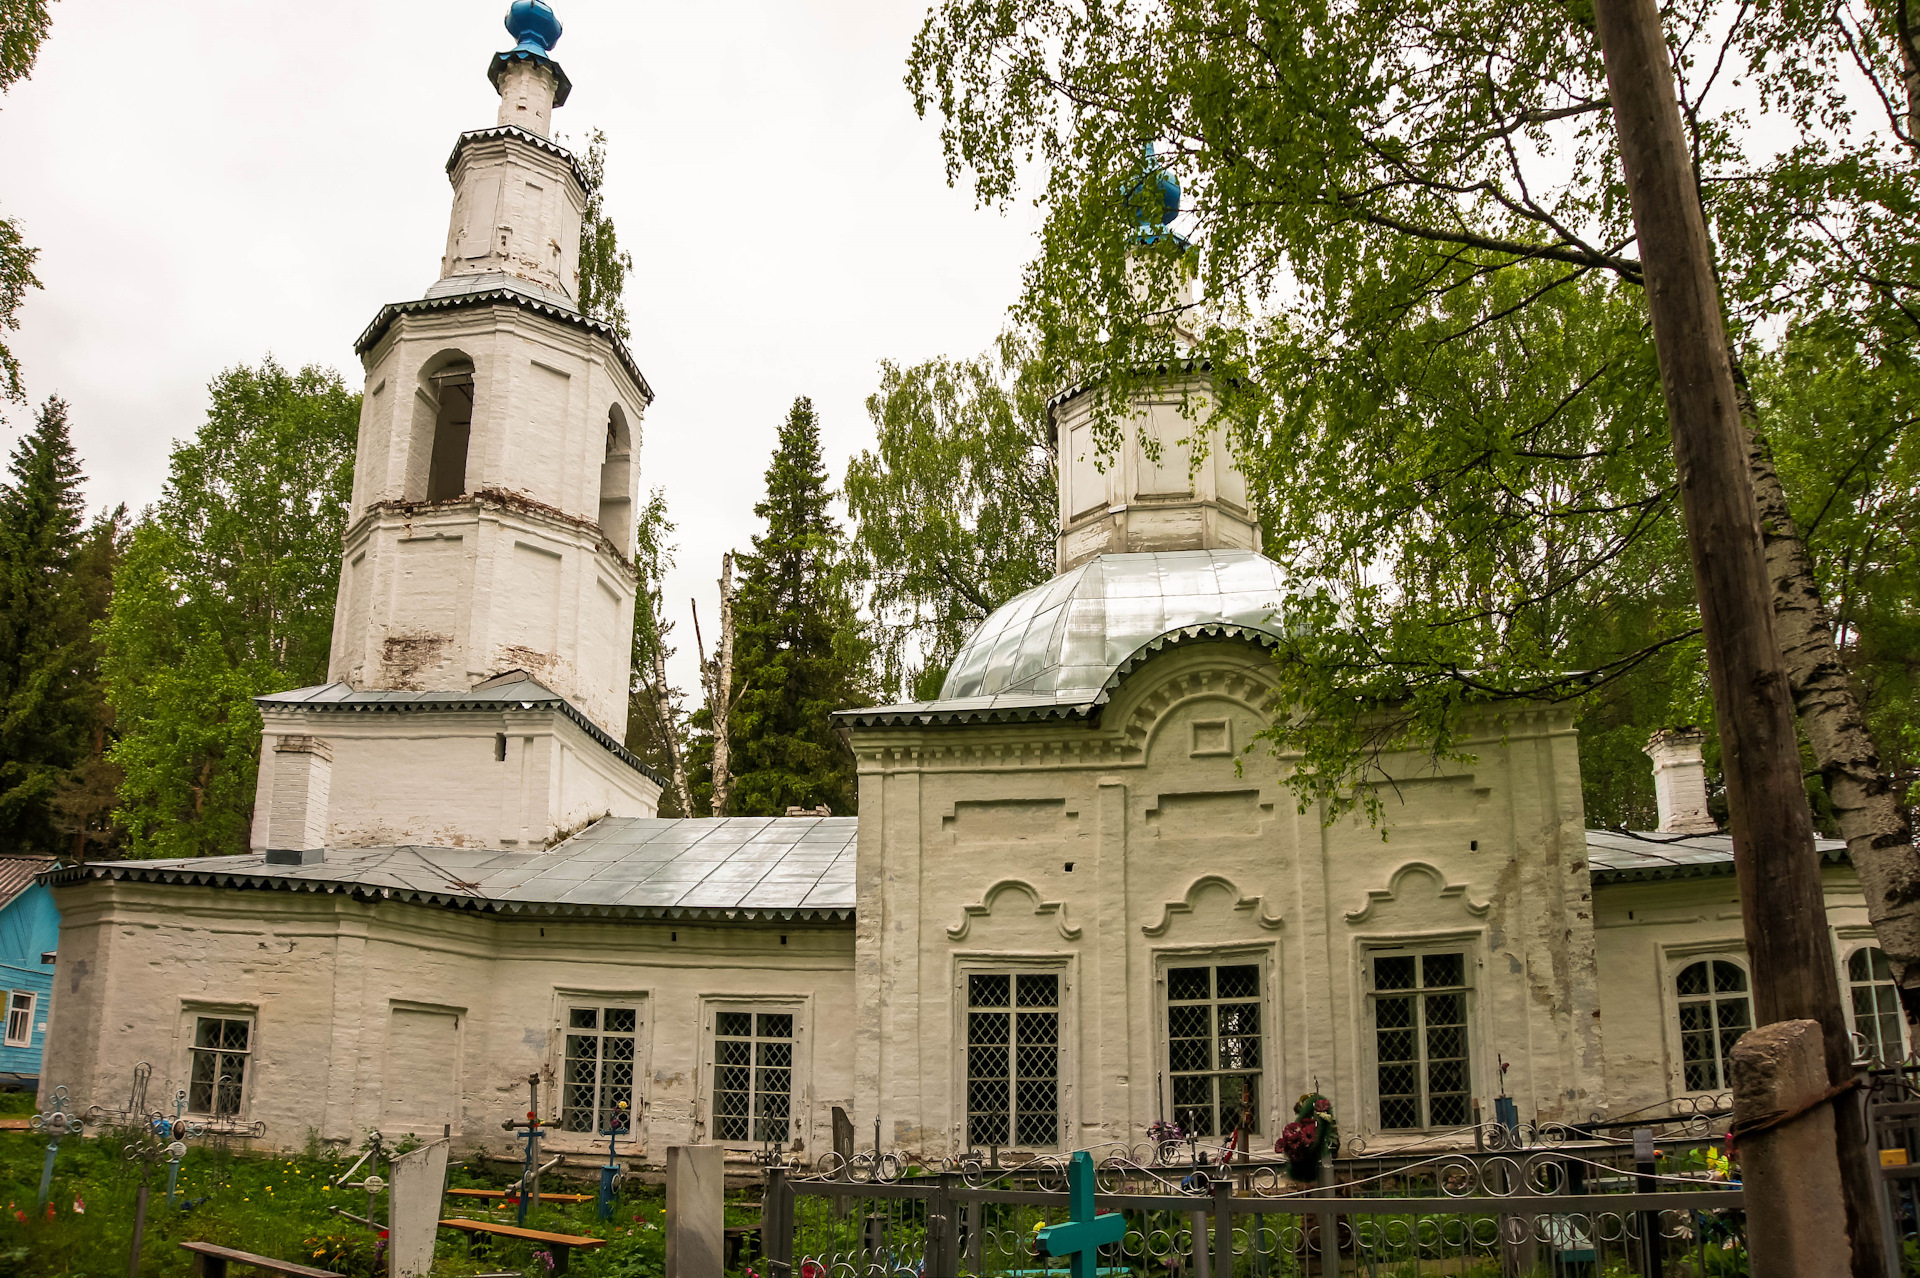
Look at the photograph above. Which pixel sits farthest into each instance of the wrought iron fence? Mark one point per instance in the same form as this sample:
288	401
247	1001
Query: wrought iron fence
1584	1209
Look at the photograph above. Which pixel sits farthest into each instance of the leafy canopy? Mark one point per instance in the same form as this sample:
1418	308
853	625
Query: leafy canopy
227	593
1421	304
954	507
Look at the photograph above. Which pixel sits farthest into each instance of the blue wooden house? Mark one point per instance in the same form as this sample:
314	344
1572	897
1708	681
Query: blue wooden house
29	933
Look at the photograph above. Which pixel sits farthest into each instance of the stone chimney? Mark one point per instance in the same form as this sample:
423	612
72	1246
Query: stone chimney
301	784
1680	782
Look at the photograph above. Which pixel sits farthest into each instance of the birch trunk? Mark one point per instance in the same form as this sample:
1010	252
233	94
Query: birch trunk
663	709
1866	802
721	705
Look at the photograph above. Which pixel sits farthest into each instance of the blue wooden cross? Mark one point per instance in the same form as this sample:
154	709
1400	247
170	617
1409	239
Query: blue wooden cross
1082	1236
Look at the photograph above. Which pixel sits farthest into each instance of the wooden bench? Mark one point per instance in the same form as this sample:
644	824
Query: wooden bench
501	1193
561	1245
211	1262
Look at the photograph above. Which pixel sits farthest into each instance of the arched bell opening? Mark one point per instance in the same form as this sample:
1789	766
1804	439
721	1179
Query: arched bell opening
443	428
616	481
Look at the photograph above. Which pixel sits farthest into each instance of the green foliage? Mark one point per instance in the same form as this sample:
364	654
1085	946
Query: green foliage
654	738
799	652
603	265
1423	312
954	507
1840	412
23	25
51	592
277	1206
226	592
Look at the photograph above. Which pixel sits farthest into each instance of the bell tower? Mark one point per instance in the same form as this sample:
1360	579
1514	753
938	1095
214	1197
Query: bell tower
490	541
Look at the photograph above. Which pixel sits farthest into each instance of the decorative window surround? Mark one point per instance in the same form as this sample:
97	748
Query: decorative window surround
21	1005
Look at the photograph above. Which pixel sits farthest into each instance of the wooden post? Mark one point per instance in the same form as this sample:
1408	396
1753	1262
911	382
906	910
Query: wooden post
1796	1227
1774	860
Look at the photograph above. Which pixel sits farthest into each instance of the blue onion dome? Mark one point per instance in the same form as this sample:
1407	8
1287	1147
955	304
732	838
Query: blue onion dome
1063	640
534	24
1154	198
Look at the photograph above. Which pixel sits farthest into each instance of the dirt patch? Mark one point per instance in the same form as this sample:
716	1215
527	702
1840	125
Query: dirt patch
404	656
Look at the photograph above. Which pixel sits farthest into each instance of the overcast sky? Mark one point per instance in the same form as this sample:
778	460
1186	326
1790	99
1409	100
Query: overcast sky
212	180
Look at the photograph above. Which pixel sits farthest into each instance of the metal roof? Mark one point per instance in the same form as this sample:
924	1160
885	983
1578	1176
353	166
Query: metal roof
723	869
499	693
1026	707
1069	635
1615	856
505	295
17	874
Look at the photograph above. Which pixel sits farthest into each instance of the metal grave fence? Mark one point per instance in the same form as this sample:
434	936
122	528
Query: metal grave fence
1585	1209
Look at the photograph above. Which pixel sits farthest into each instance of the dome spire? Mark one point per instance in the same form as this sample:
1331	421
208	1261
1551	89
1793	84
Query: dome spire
530	82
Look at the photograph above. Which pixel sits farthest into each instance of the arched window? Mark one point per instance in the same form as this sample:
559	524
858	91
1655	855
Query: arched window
1876	1005
616	480
452	427
1715	1010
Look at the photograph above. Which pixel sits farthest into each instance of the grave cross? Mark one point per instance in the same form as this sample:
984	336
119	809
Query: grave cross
55	1122
1085	1233
529	1131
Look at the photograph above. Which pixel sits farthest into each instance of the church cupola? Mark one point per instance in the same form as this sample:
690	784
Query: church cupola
1151	495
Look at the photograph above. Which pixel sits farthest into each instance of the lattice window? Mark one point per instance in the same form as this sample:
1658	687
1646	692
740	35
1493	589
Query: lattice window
1421	1058
217	1072
603	1047
1214	1048
753	1076
1715	1010
20	1018
1013	1059
1876	1005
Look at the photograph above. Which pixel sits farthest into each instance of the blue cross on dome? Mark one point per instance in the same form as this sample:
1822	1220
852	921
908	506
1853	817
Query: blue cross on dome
1084	1233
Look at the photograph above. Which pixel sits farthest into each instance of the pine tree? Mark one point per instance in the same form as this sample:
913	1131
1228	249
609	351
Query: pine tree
800	653
48	689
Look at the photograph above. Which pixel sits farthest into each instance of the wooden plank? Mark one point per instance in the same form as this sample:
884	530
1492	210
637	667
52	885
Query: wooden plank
514	1231
229	1256
544	1196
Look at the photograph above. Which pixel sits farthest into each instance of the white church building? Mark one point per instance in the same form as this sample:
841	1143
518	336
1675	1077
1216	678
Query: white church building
1071	905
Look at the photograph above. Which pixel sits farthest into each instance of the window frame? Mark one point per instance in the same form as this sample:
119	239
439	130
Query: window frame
1469	945
970	963
250	1054
1264	956
1678	959
33	1006
600	1004
1848	984
799	1071
1015	1013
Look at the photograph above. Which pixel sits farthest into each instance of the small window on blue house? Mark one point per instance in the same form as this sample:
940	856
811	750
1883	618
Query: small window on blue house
20	1018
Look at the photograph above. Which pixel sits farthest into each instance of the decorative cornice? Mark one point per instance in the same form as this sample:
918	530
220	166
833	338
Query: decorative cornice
493	705
513	132
1250	905
495	499
1055	910
504	297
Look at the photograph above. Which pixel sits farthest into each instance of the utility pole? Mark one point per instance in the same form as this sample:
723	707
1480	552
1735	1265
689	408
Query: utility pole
1778	871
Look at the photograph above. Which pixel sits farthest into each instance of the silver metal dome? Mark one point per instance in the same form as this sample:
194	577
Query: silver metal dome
1065	638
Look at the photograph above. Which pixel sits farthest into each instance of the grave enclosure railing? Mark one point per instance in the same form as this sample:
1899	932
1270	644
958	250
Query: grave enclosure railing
1549	1212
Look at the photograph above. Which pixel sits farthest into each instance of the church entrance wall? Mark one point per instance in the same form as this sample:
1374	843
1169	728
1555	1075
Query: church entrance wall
1217	950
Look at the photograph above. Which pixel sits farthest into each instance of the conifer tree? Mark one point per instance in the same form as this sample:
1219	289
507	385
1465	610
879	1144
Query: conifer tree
48	689
800	651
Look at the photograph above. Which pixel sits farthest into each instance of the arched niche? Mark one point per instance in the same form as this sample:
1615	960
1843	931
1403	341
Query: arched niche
616	481
442	428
